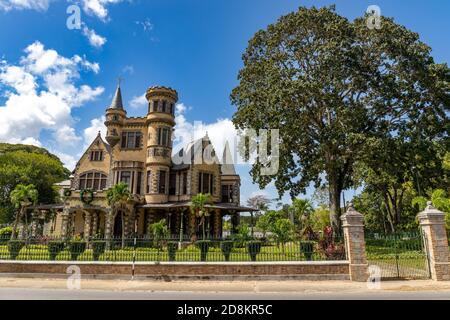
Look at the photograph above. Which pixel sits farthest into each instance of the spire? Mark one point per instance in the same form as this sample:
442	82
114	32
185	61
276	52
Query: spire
117	100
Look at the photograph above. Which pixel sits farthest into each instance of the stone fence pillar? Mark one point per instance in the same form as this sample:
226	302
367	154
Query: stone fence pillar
432	222
355	246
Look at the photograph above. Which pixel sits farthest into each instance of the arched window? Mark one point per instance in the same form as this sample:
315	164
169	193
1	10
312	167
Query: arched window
93	180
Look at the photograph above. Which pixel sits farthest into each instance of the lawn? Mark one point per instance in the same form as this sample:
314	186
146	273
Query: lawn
291	252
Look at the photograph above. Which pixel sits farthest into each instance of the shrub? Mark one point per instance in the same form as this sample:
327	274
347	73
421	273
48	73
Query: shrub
254	248
226	247
98	248
5	234
54	248
203	245
307	248
14	247
172	248
76	248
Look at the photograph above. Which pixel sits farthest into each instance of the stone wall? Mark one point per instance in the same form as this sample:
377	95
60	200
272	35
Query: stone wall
325	268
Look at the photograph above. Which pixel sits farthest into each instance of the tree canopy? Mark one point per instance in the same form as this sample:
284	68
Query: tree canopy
338	91
24	164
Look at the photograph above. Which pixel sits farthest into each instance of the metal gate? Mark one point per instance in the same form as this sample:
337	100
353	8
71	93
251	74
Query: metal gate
398	256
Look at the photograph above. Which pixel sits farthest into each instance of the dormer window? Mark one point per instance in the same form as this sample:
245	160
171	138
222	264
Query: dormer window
96	155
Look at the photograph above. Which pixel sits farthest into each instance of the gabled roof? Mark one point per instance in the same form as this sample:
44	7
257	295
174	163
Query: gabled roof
98	139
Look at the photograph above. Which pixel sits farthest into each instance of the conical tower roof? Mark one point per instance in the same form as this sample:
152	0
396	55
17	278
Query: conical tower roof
117	100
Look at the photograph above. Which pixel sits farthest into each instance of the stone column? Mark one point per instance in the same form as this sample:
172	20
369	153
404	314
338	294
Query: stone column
87	225
108	227
432	222
65	223
95	223
355	246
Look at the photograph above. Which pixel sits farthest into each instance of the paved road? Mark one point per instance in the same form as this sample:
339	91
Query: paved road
59	294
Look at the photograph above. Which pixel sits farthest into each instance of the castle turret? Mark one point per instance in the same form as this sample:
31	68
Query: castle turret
115	116
160	123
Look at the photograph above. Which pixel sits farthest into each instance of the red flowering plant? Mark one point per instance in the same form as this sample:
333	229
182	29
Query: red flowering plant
329	247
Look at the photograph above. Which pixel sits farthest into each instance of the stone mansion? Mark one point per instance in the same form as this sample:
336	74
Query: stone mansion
138	152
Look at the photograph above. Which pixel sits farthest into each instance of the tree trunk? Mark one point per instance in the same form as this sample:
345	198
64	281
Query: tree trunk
16	222
335	203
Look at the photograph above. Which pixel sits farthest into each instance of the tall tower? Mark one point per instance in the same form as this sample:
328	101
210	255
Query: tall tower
115	116
160	123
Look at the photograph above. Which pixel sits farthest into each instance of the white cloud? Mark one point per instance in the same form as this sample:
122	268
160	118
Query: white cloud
219	132
40	92
90	133
39	5
138	101
98	7
66	135
95	40
128	69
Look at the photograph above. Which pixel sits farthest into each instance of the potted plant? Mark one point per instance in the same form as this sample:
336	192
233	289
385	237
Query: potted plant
307	248
203	245
54	248
172	247
254	248
76	247
98	248
226	247
14	247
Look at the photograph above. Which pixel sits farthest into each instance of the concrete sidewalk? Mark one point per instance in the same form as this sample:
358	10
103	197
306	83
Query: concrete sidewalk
287	286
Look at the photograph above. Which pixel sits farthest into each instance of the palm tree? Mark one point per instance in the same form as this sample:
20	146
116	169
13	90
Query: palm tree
118	196
302	210
198	203
22	197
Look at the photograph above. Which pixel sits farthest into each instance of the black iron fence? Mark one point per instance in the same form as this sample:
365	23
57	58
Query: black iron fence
170	249
398	256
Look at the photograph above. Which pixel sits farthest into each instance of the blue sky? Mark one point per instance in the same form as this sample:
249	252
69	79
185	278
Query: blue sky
55	93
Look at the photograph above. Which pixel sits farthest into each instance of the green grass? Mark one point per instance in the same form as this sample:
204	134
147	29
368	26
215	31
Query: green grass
190	253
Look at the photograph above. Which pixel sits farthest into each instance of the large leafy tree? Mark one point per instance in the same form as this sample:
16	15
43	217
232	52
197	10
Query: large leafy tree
259	202
334	88
23	164
22	197
118	197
